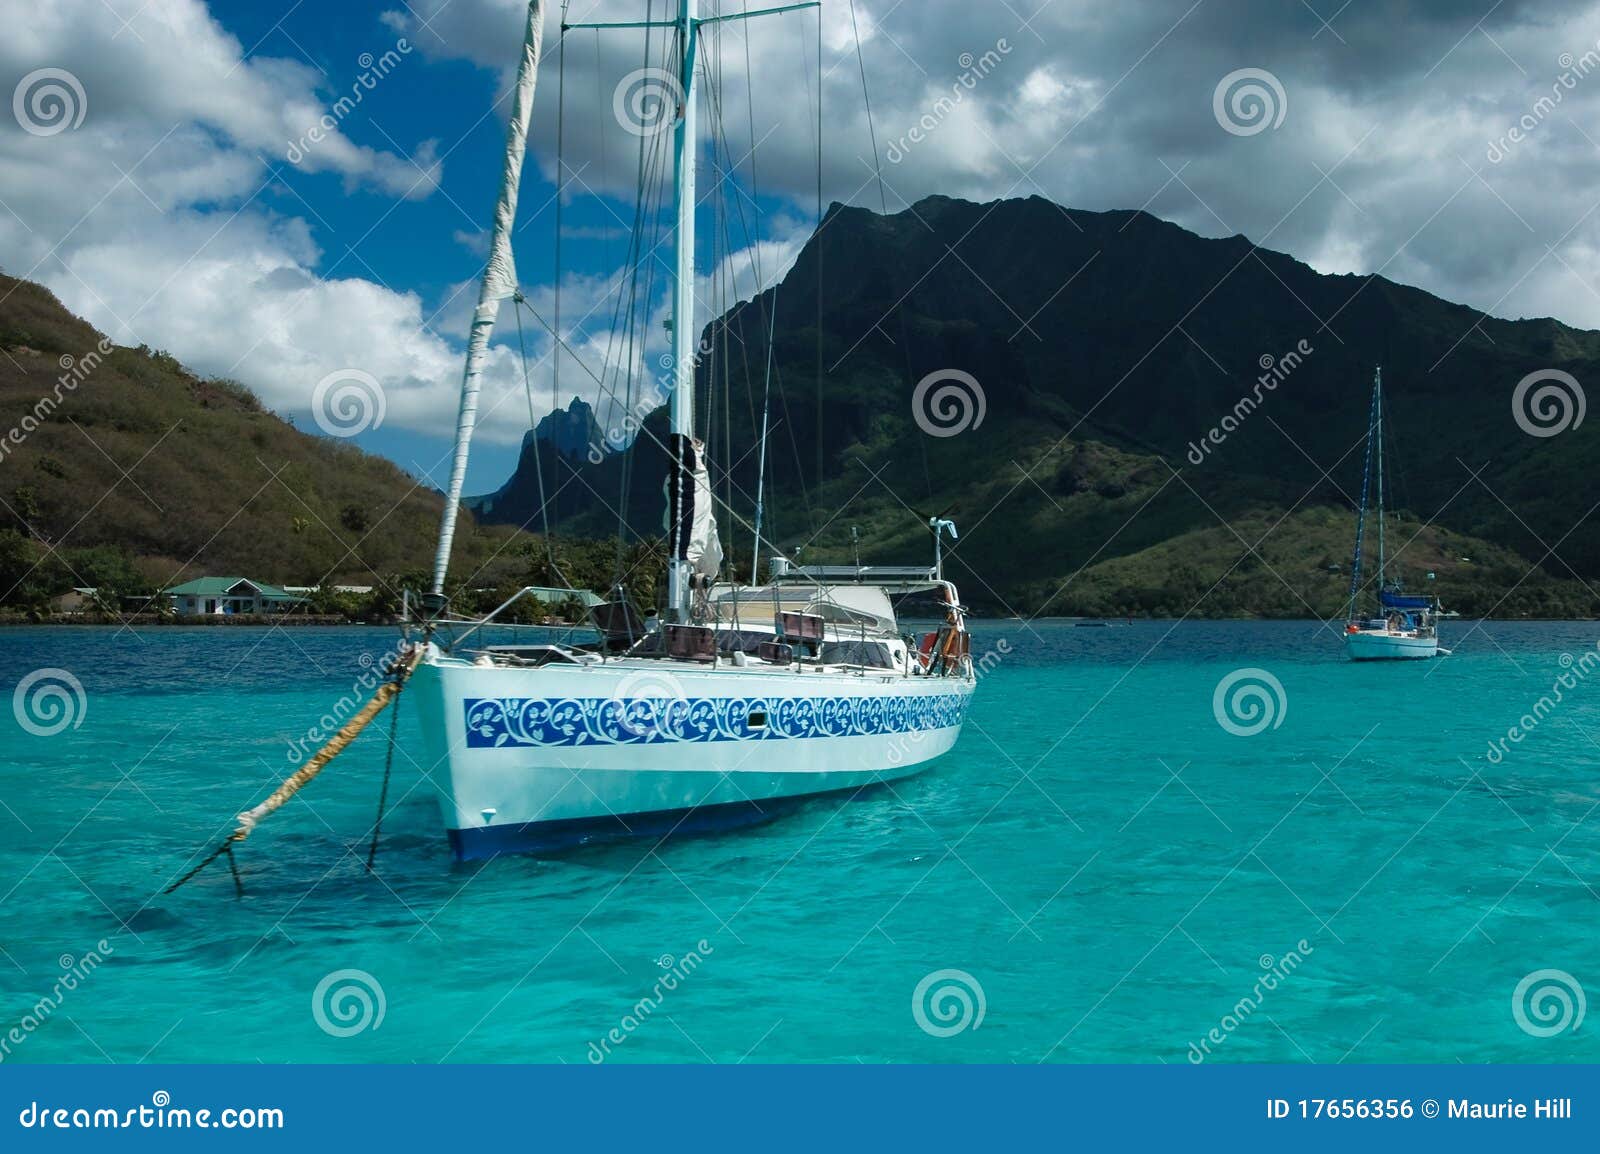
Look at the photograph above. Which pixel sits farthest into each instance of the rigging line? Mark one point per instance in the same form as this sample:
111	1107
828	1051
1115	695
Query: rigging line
883	203
819	234
599	102
624	366
561	189
644	430
383	793
561	192
866	97
538	456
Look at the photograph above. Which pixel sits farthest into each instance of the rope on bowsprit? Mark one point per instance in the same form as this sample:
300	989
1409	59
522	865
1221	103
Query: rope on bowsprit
386	693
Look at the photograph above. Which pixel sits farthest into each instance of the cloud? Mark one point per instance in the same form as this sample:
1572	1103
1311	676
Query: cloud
1381	162
172	214
162	219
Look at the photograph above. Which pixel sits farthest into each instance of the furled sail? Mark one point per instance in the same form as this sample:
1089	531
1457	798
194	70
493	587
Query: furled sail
499	282
691	521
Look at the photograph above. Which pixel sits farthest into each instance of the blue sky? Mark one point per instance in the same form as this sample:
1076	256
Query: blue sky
1441	144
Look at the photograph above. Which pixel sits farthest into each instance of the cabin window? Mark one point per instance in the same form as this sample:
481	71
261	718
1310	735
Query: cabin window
757	720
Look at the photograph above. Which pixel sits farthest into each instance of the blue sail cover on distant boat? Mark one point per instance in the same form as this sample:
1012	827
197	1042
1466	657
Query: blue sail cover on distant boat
1401	601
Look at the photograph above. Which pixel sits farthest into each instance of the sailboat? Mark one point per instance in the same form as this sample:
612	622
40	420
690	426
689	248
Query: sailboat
737	697
1405	626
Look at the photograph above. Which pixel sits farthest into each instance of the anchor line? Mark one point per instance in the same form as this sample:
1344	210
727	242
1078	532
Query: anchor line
295	782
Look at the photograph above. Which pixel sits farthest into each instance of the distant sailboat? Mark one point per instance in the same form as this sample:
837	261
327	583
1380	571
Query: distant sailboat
1404	626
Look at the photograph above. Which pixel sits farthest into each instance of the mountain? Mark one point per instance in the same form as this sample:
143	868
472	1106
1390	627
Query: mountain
564	437
571	432
1086	477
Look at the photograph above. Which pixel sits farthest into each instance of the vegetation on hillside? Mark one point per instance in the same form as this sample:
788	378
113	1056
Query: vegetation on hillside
1075	493
127	473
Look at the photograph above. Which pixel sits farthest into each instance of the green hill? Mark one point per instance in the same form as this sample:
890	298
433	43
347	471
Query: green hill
126	472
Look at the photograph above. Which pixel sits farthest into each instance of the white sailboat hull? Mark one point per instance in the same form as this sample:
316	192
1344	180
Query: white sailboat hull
531	759
1371	645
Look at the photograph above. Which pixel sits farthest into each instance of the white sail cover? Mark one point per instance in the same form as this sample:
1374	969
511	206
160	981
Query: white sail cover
499	282
705	548
692	525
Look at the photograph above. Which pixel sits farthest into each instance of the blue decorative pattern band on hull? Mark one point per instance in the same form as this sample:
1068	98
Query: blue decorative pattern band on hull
494	722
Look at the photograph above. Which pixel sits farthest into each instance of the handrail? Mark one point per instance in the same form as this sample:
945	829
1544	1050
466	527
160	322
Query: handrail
479	623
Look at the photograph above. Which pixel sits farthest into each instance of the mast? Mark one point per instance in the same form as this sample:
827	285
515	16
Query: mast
499	282
686	487
683	330
1361	510
1377	406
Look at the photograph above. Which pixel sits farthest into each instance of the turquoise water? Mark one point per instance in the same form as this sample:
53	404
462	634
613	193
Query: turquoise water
1107	909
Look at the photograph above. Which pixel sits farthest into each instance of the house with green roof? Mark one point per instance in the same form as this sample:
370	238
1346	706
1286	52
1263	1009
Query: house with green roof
229	595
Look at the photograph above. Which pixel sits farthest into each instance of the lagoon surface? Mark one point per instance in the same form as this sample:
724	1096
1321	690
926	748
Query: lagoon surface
1114	871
